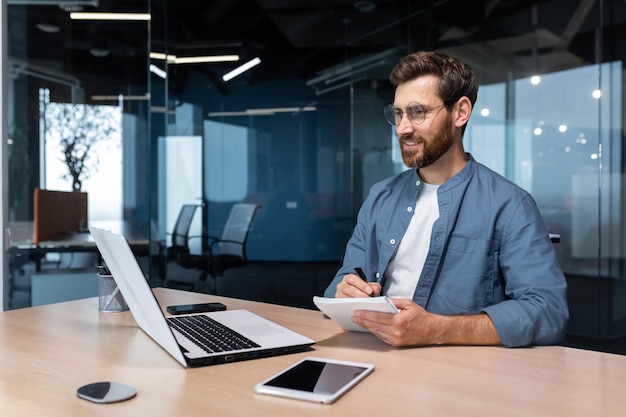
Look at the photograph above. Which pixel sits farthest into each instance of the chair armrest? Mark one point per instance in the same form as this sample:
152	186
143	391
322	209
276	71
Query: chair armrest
210	241
208	238
555	238
215	242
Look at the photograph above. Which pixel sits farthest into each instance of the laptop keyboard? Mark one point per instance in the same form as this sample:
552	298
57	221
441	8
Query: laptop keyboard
209	334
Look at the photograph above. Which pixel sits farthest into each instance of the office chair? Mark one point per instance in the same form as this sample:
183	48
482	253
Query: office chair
219	253
179	249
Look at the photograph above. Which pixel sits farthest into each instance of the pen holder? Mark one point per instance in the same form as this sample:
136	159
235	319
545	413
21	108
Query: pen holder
111	299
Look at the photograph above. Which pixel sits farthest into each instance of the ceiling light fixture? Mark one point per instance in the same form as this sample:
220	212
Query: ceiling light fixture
241	69
173	59
48	27
109	16
208	58
158	71
122	97
99	48
70	7
99	52
263	111
163	57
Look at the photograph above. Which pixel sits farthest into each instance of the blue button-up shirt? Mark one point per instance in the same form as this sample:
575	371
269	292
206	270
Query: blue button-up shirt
489	252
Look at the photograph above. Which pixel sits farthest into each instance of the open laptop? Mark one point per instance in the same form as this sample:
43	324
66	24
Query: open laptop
265	337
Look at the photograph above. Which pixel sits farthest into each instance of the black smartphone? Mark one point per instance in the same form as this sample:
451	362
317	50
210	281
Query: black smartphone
195	308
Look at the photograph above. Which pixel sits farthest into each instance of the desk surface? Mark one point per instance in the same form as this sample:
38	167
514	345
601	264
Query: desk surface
22	235
47	352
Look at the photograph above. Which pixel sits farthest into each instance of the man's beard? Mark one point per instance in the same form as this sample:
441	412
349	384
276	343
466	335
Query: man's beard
432	150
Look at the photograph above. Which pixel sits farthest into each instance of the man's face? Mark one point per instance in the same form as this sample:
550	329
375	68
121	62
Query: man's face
433	145
423	144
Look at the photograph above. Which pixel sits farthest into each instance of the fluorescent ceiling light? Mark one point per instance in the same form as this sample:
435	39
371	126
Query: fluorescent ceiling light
173	59
199	59
263	111
164	57
273	110
48	28
109	16
158	71
161	109
241	69
144	97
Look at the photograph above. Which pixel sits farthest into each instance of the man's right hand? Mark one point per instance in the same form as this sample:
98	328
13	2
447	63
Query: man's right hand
352	286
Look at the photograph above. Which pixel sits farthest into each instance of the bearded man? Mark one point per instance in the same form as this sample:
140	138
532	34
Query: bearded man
462	252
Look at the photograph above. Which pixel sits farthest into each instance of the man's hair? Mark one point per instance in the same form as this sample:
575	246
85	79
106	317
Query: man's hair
456	79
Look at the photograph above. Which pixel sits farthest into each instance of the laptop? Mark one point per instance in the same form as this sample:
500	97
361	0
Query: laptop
262	337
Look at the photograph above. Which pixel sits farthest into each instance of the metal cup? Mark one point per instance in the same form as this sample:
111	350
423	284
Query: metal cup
111	299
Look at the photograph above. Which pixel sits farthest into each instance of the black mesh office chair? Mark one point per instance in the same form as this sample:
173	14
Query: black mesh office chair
179	250
218	253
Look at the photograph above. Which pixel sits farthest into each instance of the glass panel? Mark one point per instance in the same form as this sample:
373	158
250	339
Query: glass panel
549	134
88	73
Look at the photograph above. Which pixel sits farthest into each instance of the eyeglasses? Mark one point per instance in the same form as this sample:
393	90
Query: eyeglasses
414	111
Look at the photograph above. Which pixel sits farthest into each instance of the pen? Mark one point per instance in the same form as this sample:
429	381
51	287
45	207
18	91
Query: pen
361	275
103	270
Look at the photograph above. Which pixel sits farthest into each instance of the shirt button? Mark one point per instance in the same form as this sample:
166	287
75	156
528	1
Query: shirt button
392	241
409	209
437	238
418	182
377	275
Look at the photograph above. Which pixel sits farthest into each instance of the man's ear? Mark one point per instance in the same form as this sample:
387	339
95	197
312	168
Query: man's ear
463	111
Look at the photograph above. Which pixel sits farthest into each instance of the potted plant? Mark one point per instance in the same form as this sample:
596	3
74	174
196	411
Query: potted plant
79	127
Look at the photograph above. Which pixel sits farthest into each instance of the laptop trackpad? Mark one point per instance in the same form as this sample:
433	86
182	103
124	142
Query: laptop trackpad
259	330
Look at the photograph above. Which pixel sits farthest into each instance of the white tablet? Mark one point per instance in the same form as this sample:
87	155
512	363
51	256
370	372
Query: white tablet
315	379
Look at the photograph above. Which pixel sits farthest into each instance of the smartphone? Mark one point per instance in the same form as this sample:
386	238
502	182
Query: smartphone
315	379
195	308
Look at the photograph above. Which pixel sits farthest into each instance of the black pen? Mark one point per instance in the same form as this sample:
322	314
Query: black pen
103	270
361	275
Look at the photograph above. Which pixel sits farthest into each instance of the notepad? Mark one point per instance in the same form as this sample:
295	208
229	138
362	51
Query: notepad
340	310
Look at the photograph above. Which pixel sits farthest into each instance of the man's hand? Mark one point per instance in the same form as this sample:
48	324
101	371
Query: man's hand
352	286
414	326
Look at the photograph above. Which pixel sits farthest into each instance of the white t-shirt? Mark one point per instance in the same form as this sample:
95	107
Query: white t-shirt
404	270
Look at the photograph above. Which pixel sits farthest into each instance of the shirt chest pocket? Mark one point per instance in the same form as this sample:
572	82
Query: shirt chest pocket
469	275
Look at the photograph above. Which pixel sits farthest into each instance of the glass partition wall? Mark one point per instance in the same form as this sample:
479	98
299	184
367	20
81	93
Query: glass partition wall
303	137
77	107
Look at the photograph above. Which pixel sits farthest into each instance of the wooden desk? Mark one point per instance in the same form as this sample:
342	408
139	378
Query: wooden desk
47	352
23	249
22	235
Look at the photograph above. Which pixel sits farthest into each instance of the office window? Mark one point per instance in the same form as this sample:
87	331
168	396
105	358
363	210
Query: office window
485	135
81	150
226	160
